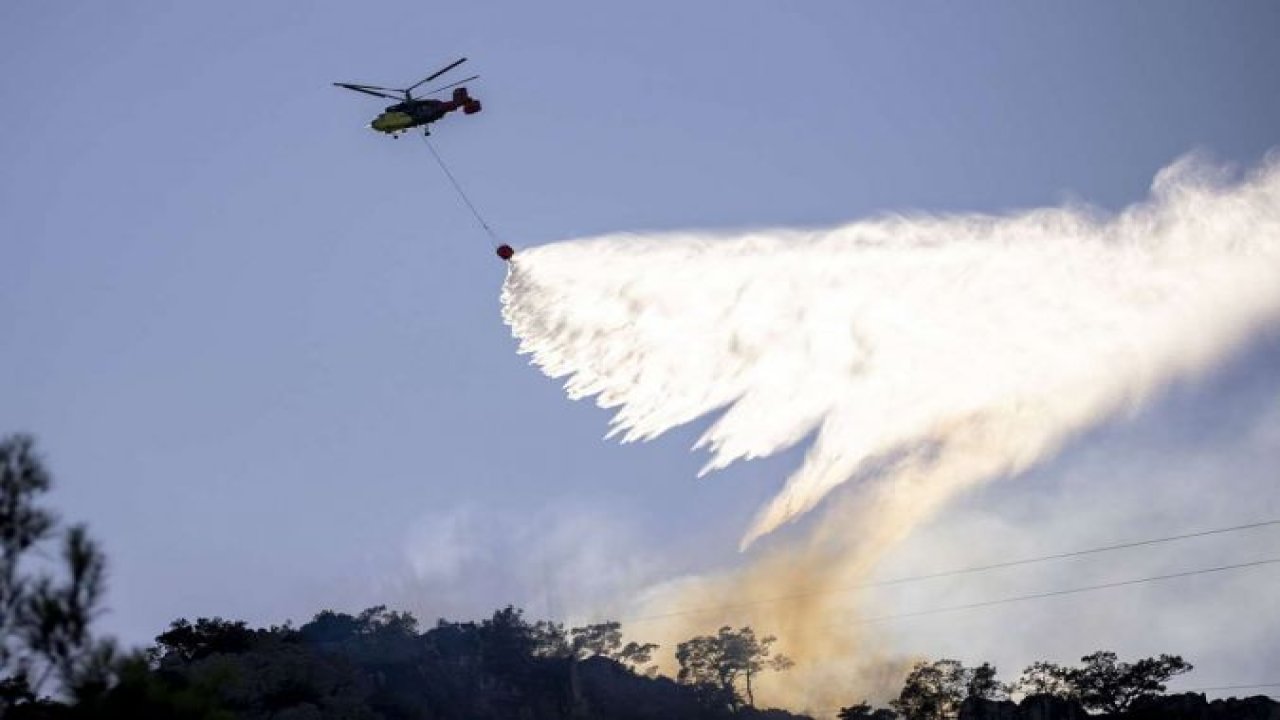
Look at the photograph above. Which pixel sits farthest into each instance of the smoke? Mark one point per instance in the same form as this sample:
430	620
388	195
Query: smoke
923	356
465	557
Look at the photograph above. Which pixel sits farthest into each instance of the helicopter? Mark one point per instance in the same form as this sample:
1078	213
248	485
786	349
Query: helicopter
410	111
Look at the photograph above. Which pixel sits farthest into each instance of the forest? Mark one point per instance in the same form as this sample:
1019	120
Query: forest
380	664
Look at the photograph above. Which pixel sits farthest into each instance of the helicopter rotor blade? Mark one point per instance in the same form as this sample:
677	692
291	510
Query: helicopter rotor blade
437	73
370	87
368	90
446	87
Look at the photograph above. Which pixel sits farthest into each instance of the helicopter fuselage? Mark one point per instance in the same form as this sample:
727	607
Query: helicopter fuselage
397	118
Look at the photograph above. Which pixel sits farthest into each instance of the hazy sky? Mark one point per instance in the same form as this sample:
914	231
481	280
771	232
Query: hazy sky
261	349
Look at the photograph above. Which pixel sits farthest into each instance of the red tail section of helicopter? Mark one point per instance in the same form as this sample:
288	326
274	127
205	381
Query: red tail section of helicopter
469	105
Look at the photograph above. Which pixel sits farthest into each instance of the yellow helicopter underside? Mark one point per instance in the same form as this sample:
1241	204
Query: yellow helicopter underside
392	122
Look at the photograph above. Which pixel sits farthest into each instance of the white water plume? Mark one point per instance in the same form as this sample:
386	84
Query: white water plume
924	354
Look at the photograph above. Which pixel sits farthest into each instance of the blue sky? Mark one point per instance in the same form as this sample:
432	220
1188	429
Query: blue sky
260	344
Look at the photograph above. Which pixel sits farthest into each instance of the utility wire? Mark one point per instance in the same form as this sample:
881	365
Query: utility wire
1077	553
462	193
960	571
1071	591
1225	687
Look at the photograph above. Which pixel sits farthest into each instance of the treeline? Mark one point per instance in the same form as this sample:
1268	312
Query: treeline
1100	686
376	664
379	665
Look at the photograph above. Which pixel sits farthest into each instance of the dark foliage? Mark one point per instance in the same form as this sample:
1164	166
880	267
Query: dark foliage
46	608
377	665
722	666
935	691
1186	706
1102	682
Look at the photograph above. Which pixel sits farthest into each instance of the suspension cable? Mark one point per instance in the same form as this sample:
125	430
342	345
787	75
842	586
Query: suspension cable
493	237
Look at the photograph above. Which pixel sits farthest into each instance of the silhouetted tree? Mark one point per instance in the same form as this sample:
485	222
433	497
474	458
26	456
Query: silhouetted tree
934	691
605	640
635	654
720	660
1046	678
599	639
982	683
550	639
378	620
45	616
508	641
186	642
1112	686
329	627
1103	683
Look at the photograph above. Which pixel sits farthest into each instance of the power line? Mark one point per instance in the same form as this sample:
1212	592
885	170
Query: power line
1226	687
1077	553
1071	591
960	571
